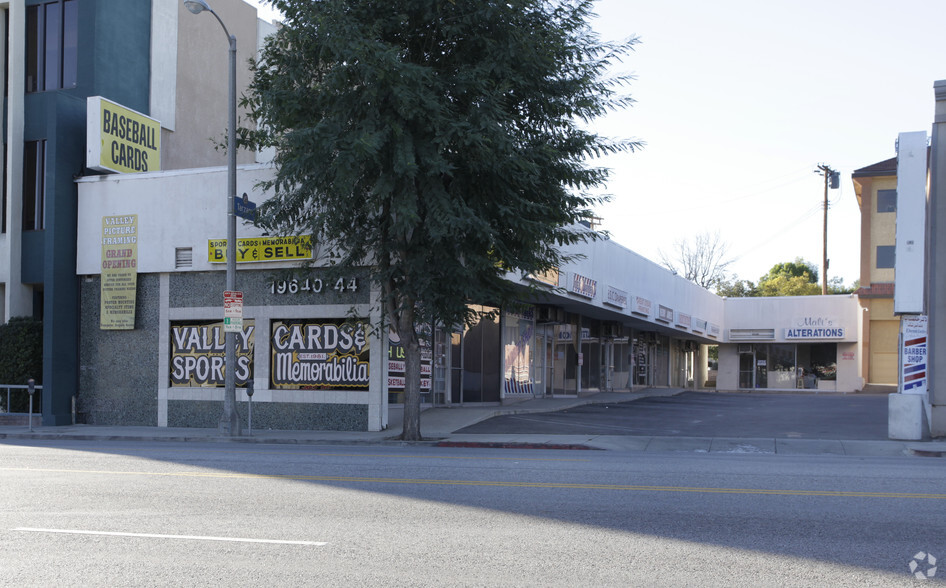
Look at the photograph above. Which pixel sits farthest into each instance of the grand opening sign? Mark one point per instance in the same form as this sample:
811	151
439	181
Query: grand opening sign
121	140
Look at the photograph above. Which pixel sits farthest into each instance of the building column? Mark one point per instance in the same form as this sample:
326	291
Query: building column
936	268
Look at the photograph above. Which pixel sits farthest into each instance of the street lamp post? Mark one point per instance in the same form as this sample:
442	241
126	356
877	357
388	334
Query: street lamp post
230	419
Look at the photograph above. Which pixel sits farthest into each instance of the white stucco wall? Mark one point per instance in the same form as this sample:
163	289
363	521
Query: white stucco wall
184	208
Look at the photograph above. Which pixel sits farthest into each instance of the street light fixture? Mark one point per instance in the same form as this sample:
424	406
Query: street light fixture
229	420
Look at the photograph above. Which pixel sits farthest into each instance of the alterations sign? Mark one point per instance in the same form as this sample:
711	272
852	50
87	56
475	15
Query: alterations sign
121	140
119	281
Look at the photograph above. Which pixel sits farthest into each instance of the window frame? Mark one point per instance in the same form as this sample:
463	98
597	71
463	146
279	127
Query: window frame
52	47
885	196
34	185
886	252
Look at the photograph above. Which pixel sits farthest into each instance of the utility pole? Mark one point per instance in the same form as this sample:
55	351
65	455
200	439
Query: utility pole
833	177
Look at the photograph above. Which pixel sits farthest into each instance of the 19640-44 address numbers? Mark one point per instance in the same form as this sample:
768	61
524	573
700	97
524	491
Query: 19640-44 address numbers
312	286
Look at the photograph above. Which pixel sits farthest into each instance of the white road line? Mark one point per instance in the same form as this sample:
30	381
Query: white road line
157	536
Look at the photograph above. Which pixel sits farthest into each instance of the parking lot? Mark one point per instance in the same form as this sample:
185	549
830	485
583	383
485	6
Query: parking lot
711	414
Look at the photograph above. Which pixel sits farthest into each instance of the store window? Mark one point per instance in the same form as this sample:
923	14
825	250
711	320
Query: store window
480	353
34	188
886	256
886	201
785	366
518	352
52	43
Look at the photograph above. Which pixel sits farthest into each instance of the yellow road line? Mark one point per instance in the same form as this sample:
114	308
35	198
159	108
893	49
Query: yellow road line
498	484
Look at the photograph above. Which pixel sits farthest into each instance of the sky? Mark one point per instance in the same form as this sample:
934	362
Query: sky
738	101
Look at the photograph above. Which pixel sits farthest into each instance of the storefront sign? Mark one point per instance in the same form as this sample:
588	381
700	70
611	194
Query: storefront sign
664	313
584	286
814	327
119	281
255	249
815	333
550	277
319	354
641	306
121	140
683	320
616	298
397	364
198	354
713	330
913	337
699	326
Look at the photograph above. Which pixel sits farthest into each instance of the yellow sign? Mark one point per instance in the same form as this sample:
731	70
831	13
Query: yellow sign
119	272
121	140
262	249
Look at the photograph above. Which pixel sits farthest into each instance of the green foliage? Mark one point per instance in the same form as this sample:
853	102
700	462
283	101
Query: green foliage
790	278
736	288
793	269
788	285
21	351
836	286
439	142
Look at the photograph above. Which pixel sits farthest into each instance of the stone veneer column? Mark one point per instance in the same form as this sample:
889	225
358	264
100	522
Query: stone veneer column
936	268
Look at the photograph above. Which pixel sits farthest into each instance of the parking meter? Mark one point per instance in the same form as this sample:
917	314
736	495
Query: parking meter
31	388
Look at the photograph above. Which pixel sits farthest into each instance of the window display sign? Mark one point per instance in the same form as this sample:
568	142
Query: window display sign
396	364
319	354
913	363
119	272
198	354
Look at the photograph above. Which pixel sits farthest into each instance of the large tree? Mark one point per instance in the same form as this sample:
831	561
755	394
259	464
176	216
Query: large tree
438	143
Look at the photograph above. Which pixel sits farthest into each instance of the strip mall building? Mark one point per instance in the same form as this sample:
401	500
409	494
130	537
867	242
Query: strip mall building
126	269
611	321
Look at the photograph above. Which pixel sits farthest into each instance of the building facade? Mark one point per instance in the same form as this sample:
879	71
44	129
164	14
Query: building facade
127	270
876	189
152	57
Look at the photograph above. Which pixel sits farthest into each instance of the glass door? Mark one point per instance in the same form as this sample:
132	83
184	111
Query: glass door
746	370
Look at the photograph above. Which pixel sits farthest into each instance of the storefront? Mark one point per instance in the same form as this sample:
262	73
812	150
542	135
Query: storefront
802	343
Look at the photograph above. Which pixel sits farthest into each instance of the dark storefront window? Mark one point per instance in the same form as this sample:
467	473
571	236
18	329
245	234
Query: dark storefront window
52	45
34	189
482	374
785	365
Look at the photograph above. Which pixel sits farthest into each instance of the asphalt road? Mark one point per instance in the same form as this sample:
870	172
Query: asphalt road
708	414
144	514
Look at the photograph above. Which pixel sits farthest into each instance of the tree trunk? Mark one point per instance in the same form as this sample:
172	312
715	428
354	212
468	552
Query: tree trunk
412	390
408	334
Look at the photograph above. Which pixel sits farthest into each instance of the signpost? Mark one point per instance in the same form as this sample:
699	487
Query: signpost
232	311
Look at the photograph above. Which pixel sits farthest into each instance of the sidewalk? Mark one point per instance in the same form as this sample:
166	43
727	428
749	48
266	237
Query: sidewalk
438	426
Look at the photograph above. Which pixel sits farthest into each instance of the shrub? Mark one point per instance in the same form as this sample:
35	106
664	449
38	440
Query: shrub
21	351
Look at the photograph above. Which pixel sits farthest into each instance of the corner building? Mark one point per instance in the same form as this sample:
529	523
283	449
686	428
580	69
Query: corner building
152	57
